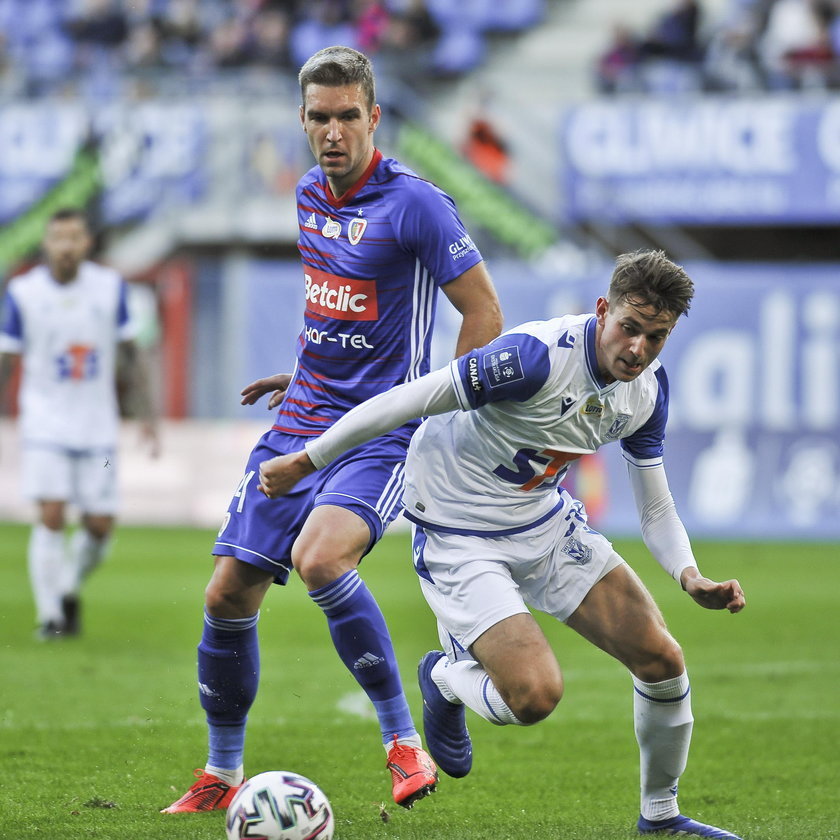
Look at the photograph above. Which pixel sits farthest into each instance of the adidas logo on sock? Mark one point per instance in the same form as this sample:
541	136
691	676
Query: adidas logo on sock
367	661
311	223
206	690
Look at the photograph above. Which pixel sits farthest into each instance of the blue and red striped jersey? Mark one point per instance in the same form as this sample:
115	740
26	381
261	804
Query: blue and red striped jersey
372	263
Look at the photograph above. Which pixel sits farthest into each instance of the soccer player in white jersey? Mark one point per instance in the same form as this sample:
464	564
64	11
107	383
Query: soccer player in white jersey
67	319
376	242
495	532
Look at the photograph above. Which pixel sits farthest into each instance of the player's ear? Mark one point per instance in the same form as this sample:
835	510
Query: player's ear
375	116
302	117
601	308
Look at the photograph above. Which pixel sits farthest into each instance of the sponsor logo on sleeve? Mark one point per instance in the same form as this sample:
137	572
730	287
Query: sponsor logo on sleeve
472	374
461	247
503	366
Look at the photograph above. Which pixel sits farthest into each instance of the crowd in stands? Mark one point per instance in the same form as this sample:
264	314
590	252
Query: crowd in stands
755	45
47	45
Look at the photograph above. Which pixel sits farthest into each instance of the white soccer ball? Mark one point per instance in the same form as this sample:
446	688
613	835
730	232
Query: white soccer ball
279	805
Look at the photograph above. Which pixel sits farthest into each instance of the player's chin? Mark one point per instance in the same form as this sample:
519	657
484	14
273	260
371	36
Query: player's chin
627	373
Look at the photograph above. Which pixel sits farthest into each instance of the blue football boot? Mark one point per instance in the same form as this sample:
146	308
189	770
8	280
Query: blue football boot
444	723
681	826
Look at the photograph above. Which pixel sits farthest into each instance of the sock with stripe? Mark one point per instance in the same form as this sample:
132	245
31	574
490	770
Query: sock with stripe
363	642
663	723
467	682
228	676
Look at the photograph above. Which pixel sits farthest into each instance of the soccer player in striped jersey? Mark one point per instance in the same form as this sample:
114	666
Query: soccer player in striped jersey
495	532
68	320
376	243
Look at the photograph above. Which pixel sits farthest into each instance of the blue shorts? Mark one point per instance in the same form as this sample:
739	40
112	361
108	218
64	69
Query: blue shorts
367	480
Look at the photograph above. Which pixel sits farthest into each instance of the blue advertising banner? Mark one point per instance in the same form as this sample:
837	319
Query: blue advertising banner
753	440
709	160
753	446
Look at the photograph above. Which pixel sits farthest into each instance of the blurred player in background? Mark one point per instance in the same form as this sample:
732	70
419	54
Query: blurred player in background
495	532
67	319
376	243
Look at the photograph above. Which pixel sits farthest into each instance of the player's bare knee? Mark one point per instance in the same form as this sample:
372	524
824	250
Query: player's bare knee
536	702
225	601
99	527
317	570
52	517
663	663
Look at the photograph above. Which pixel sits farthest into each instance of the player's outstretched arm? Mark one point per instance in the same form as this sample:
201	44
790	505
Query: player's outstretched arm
430	394
276	385
712	595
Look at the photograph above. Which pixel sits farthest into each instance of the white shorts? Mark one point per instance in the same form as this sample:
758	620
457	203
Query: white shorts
86	479
473	582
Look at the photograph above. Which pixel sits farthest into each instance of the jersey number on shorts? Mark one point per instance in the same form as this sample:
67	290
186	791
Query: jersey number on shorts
553	461
242	489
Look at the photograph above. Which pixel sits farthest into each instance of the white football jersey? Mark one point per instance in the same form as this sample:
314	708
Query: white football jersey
532	402
67	335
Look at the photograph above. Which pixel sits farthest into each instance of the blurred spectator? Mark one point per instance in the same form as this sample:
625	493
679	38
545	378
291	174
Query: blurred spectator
91	47
675	34
731	61
618	65
795	47
325	22
486	150
372	19
144	50
100	23
269	44
228	44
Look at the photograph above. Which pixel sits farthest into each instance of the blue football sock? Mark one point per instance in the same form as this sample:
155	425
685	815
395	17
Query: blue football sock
361	638
228	675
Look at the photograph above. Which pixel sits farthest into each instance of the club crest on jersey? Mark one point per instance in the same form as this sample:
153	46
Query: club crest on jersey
331	229
355	230
592	408
617	427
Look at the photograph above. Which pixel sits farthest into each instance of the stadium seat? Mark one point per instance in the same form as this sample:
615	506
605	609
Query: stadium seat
514	15
458	51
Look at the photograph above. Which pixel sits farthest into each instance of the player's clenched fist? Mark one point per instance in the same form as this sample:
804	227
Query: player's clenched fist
279	475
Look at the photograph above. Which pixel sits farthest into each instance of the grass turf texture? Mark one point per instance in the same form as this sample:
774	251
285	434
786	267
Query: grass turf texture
98	733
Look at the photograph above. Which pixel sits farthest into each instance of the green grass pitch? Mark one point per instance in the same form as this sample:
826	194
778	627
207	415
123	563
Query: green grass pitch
98	733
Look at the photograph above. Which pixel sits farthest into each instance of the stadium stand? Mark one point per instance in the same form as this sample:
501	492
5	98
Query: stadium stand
95	47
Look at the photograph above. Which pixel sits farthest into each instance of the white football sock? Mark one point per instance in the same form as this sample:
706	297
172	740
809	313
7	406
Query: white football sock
47	561
467	682
86	553
410	740
663	722
232	777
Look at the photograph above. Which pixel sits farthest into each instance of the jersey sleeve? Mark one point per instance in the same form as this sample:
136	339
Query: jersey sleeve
11	326
648	442
513	367
428	395
427	224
